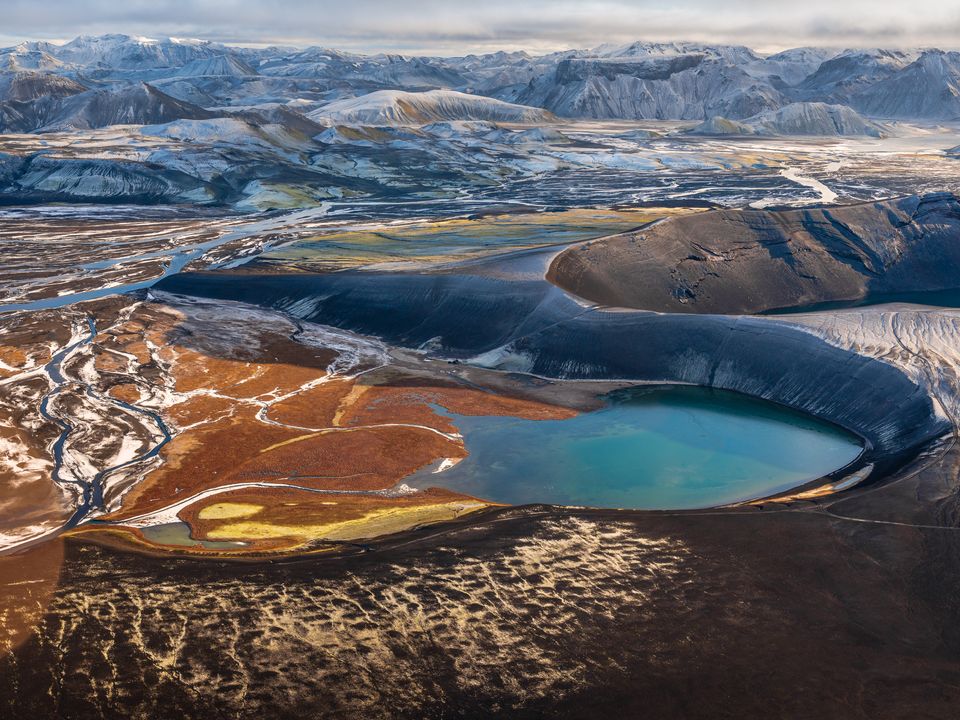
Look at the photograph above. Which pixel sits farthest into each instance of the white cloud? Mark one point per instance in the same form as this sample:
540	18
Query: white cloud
456	26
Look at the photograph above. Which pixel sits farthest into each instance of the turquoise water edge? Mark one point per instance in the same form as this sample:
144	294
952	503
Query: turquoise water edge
665	447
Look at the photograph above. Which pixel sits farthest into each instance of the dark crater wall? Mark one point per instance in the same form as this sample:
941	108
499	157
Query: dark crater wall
530	326
751	261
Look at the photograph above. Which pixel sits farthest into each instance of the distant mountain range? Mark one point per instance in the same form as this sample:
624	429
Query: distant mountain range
93	81
118	119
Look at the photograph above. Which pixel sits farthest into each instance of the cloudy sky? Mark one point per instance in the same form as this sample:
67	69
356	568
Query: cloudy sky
459	26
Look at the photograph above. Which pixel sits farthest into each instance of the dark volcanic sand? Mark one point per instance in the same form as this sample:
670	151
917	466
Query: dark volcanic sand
528	613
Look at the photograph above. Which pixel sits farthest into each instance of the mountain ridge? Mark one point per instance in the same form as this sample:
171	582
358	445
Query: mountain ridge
632	81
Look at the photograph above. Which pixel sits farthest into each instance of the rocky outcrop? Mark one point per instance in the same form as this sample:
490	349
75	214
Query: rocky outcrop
750	261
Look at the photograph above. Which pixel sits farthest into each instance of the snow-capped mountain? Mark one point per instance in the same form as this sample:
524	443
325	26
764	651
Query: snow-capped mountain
122	52
367	71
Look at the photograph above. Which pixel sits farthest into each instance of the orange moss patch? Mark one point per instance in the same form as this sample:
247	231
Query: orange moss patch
360	459
316	407
126	392
13	356
238	378
240	449
368	437
193	371
381	404
139	349
200	408
280	378
28	496
201	459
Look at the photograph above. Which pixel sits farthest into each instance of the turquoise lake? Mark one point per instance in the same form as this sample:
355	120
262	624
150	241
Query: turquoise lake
652	448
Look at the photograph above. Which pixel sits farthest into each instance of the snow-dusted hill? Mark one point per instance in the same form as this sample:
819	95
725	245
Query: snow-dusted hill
801	118
394	107
28	56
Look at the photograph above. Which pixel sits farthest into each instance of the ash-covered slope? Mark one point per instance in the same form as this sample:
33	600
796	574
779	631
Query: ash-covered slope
817	119
220	65
57	109
928	88
29	85
43	179
29	100
134	105
850	72
750	261
393	107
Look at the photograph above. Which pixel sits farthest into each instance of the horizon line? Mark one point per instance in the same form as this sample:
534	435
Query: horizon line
343	45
